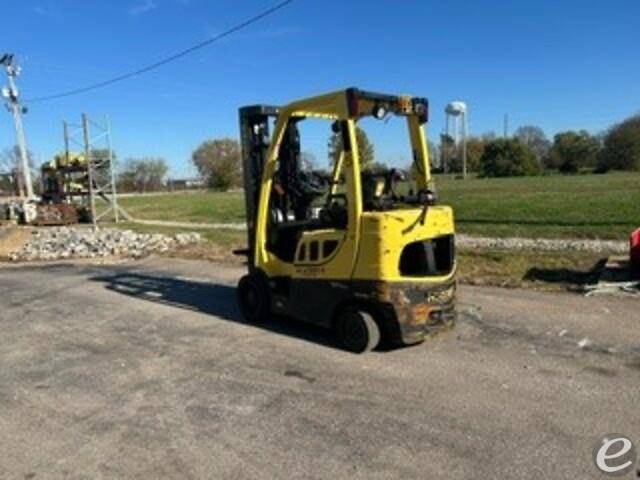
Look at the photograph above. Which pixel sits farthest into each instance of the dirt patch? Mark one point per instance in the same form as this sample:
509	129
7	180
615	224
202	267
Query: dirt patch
559	271
12	239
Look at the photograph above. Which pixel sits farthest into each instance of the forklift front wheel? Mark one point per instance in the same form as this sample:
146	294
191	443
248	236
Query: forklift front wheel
253	299
357	331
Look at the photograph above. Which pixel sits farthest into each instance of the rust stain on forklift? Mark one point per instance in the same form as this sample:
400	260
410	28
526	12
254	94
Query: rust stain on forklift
410	311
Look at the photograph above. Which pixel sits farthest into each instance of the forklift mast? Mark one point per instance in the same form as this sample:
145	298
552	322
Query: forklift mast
255	141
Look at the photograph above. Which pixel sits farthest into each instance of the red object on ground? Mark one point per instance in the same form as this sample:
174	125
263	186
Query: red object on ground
634	248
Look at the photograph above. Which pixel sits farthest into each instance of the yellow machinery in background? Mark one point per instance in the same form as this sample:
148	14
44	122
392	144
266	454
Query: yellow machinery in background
65	190
370	262
65	175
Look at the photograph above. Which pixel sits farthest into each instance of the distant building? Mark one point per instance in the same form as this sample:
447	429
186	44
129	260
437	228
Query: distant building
185	183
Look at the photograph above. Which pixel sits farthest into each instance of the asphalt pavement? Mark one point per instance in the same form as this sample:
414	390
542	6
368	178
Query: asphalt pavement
145	370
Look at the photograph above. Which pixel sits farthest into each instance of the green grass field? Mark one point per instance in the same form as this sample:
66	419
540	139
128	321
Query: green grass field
198	207
580	206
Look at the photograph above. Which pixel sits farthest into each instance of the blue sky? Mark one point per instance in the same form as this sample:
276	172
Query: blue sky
557	64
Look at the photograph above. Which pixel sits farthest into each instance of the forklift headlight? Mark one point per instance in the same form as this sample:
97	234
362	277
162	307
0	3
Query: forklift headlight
379	112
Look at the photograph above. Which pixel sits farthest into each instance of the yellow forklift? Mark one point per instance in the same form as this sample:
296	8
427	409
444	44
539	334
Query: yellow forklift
367	253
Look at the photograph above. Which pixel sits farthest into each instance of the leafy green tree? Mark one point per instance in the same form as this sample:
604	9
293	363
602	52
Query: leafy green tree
621	150
534	138
447	153
475	150
365	148
219	162
142	174
572	151
507	157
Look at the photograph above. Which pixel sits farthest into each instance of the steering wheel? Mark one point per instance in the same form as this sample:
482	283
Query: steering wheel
335	212
314	183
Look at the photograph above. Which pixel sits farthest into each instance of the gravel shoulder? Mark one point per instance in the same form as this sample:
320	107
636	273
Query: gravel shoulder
56	243
462	241
542	244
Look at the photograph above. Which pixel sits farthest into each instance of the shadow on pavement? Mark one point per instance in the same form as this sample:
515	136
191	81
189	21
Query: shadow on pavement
566	275
214	299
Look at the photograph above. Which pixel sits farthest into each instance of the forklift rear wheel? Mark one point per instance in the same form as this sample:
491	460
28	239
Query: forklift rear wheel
357	331
253	299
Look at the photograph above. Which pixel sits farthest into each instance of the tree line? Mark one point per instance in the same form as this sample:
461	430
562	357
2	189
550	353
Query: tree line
145	174
142	174
530	152
219	161
527	152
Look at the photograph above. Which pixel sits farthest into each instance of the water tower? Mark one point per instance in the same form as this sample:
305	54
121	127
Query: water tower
456	129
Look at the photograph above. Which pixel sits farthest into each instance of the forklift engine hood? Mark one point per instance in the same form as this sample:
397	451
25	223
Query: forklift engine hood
412	245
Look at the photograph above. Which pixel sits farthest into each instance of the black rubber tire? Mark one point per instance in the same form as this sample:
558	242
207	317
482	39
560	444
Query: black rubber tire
357	331
254	299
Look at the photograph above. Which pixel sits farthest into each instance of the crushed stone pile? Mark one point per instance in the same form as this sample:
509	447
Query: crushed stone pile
543	244
68	242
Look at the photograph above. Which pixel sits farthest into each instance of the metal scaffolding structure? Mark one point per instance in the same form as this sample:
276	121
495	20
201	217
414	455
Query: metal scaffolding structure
99	164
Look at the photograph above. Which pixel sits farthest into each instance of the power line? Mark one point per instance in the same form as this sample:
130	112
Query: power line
166	60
